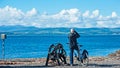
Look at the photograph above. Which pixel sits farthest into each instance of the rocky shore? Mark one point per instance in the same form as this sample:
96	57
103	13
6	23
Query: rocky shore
110	61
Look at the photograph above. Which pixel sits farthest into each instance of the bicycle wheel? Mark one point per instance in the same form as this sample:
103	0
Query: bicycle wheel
85	58
85	61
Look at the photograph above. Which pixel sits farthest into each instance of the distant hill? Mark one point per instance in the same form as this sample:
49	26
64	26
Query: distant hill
22	30
15	28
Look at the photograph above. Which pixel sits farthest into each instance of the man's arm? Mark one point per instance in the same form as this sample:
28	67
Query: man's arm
77	35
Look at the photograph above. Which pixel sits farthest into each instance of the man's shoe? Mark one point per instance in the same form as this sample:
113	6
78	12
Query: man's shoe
71	64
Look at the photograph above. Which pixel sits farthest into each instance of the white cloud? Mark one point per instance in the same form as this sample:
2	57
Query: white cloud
64	18
32	12
114	14
10	16
95	14
86	14
70	16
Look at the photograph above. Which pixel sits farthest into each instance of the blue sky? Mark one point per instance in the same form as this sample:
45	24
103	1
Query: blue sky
53	6
41	10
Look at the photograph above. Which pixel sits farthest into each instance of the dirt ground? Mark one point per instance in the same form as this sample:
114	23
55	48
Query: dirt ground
94	62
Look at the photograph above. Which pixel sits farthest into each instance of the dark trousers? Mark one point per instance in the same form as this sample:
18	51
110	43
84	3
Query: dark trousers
71	54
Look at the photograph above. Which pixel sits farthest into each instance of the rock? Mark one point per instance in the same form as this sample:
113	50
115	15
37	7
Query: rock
115	54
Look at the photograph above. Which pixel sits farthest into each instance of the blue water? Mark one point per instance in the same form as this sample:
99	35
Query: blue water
37	46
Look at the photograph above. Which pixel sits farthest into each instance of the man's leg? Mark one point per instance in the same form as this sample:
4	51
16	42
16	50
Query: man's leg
79	55
78	51
71	56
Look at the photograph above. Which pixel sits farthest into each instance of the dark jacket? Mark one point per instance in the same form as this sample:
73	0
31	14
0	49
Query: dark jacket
73	39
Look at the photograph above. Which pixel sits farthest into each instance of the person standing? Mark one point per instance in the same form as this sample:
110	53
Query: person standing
73	44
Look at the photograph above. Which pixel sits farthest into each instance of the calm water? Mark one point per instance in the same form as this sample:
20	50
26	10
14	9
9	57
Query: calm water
37	46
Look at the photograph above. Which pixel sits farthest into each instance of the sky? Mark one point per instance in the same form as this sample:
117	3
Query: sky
60	13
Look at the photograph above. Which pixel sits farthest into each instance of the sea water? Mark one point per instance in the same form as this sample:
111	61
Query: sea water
36	46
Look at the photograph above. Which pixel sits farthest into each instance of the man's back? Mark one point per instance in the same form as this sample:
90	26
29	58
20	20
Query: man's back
73	38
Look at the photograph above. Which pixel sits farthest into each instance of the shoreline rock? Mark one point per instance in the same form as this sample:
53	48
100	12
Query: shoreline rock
116	55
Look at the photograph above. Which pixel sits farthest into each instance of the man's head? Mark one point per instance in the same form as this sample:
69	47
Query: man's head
72	30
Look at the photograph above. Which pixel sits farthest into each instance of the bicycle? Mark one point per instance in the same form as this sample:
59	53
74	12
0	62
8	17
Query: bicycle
56	53
82	57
